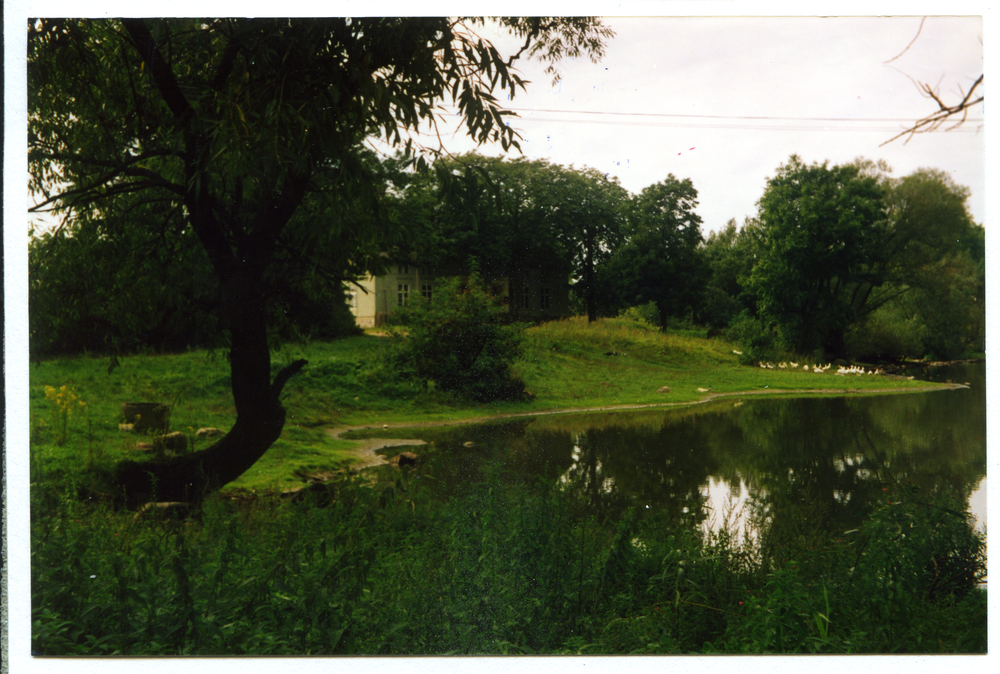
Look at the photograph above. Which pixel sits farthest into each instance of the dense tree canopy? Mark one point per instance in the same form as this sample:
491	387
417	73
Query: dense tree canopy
659	260
508	217
238	124
820	238
850	261
728	254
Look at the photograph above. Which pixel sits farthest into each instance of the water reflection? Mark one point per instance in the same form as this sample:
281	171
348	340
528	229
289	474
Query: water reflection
825	459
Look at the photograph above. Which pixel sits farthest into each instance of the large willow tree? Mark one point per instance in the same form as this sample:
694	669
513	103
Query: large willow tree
237	122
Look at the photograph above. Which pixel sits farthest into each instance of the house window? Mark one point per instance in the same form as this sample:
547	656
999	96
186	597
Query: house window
525	298
403	293
425	291
546	301
404	269
352	299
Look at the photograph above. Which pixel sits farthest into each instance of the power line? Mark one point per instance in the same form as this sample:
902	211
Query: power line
740	117
751	127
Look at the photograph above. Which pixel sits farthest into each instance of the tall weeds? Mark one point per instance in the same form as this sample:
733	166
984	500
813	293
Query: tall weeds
364	568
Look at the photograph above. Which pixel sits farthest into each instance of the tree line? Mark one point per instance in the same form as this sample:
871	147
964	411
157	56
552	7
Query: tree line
839	261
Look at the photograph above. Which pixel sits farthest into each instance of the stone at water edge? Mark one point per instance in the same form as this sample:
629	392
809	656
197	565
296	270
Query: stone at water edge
209	432
404	459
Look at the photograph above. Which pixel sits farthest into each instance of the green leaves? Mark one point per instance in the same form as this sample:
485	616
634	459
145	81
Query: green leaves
461	341
658	261
847	259
820	235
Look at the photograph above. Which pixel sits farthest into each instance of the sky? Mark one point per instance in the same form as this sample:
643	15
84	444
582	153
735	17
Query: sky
725	101
722	101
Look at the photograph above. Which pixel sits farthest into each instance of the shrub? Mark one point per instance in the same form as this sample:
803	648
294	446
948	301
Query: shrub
461	342
644	313
888	333
755	338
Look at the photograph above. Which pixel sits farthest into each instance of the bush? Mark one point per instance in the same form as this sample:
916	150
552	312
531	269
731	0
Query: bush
755	338
461	342
888	333
644	313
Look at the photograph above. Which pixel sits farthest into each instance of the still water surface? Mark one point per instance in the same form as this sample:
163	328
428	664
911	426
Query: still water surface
822	458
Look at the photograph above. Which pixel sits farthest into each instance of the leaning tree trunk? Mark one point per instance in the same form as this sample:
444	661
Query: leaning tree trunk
239	238
259	414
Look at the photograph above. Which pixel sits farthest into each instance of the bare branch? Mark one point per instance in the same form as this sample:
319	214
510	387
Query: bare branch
911	42
945	112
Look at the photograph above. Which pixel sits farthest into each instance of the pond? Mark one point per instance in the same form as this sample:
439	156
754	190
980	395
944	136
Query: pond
815	460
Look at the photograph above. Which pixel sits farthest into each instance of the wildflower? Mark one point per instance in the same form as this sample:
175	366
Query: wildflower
741	603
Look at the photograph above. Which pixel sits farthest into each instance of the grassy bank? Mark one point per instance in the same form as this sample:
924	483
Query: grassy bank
566	365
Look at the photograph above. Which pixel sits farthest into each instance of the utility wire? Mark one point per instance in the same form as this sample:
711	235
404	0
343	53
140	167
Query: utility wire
741	117
650	119
759	127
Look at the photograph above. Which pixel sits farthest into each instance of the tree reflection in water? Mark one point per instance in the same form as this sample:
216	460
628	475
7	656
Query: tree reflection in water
808	464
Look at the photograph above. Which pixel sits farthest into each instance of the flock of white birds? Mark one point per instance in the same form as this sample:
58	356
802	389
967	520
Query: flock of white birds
818	369
821	369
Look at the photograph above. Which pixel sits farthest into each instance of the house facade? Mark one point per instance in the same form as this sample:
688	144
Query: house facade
536	295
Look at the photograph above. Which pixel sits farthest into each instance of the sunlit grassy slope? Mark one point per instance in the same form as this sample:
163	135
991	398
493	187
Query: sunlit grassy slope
566	364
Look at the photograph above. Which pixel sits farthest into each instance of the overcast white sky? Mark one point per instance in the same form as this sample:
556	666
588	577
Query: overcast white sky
682	91
725	100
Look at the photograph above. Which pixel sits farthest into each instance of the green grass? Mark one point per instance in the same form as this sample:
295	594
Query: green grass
346	383
498	569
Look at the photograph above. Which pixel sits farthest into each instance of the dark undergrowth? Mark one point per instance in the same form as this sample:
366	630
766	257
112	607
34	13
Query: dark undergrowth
354	567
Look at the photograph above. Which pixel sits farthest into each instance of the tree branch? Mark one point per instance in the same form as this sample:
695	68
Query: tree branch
285	374
162	75
933	121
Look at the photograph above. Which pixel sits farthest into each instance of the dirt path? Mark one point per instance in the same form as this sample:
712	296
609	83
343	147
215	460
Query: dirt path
365	450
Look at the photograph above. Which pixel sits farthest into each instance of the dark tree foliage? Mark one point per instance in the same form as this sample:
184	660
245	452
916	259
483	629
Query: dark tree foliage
495	214
850	261
659	259
820	244
592	212
729	256
508	217
119	286
240	124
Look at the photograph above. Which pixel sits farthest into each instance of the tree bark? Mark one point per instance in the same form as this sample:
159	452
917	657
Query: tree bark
591	289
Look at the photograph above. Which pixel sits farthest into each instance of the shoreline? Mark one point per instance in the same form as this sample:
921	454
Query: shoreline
366	451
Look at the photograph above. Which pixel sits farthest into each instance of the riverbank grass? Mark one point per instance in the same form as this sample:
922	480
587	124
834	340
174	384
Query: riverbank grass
566	365
379	569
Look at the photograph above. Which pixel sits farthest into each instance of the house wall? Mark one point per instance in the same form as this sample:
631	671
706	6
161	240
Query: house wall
541	295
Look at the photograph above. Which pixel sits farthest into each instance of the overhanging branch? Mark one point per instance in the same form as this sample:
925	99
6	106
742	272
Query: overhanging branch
934	121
